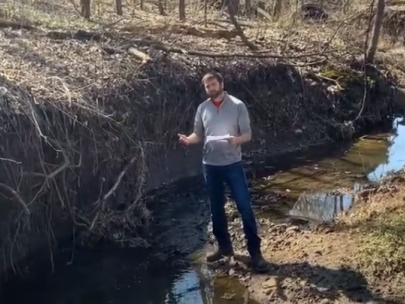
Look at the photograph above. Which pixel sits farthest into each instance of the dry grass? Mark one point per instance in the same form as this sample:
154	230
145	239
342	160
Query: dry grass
69	69
379	226
369	239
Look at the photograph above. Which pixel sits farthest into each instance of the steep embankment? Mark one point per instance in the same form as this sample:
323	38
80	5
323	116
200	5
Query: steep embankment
90	118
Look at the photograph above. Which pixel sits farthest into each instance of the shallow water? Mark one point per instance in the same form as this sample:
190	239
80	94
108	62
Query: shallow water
121	276
370	159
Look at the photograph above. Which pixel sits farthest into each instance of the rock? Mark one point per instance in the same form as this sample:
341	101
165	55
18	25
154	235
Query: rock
293	229
269	292
228	296
231	272
270	283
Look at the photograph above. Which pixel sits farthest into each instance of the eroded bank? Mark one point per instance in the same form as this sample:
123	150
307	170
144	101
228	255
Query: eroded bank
69	167
171	270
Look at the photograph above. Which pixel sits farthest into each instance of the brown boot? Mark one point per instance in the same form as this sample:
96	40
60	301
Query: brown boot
218	254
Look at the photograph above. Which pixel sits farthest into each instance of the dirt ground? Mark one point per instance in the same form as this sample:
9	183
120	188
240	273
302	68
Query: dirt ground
356	259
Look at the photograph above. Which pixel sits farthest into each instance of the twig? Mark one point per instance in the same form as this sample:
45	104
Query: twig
327	44
241	23
363	103
335	81
224	55
15	25
17	197
141	180
120	176
10	160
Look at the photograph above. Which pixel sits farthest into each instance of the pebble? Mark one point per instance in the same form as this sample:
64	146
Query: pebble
270	282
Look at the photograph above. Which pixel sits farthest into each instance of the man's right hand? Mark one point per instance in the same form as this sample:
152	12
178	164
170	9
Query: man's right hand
183	140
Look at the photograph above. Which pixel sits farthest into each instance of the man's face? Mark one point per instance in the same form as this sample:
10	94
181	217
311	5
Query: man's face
213	88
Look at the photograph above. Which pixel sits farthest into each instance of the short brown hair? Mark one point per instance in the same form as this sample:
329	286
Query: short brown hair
213	75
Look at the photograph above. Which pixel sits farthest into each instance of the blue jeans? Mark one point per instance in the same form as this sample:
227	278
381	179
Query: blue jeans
234	176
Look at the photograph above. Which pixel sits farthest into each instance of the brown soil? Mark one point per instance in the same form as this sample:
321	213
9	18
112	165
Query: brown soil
357	258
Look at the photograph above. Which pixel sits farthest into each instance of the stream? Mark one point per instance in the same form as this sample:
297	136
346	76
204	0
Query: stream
314	188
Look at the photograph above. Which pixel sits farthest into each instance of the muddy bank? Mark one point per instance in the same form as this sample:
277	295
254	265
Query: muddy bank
69	166
357	257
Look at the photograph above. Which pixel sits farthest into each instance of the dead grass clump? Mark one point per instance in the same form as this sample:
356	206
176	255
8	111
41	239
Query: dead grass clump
378	223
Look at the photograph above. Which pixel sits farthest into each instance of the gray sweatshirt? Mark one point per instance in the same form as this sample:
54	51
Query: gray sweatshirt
232	118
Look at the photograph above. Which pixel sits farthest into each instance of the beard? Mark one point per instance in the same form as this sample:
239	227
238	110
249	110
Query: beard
215	94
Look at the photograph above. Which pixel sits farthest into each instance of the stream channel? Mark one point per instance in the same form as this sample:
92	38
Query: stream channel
313	186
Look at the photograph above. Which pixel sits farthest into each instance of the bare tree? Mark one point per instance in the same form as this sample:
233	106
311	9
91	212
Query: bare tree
248	7
277	9
379	16
161	8
118	4
205	13
86	8
346	6
232	6
182	10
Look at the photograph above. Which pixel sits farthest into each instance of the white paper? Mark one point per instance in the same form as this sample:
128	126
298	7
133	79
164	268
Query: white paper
211	138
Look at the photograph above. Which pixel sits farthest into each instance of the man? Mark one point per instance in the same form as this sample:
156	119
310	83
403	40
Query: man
222	114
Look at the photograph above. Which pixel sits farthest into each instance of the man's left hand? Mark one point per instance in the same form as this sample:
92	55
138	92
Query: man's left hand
233	141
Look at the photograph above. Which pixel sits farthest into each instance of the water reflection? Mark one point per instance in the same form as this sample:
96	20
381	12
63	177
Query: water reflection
370	159
121	276
396	158
196	287
164	273
321	206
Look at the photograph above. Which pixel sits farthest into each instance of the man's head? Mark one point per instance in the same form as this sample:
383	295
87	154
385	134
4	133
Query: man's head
213	84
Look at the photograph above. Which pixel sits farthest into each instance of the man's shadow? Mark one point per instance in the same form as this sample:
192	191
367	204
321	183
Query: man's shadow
319	282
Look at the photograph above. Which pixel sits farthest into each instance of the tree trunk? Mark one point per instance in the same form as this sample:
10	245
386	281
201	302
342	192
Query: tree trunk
248	7
277	9
370	54
231	7
118	4
86	11
161	9
182	10
205	13
231	4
